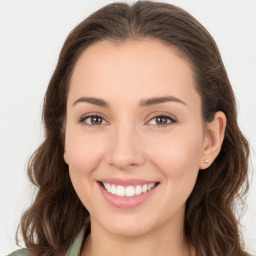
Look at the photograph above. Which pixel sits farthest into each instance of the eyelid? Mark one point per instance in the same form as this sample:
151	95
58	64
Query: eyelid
159	113
152	116
82	118
171	117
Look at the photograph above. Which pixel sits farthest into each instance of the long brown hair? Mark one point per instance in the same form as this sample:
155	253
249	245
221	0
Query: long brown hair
50	224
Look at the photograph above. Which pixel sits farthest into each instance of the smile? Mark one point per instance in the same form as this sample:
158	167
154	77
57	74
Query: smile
128	191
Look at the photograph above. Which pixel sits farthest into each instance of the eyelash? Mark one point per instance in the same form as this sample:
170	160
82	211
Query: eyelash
170	117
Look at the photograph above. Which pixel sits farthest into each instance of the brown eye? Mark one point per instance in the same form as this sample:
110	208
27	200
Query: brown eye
94	120
163	120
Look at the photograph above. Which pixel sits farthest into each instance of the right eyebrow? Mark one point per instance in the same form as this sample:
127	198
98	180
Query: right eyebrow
94	101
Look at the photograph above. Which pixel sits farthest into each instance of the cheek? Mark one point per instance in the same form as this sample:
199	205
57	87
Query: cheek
82	152
181	154
178	159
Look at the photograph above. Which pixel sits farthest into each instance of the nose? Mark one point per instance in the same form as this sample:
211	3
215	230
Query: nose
126	149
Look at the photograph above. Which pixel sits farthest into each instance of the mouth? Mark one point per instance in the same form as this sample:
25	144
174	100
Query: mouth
128	190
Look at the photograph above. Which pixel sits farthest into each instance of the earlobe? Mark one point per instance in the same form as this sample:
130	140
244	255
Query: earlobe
215	132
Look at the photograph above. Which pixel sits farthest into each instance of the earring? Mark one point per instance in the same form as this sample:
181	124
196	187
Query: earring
206	161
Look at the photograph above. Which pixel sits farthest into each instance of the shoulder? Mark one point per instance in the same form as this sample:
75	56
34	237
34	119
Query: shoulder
20	252
74	249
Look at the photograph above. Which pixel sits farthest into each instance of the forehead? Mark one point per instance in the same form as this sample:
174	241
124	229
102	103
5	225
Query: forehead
132	69
149	52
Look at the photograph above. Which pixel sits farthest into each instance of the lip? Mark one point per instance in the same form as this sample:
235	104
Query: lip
126	202
126	182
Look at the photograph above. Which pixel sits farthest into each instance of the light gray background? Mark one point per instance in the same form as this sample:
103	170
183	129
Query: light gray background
31	35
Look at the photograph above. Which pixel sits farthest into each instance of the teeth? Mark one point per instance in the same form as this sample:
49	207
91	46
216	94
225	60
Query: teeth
128	191
138	190
113	190
144	188
107	187
120	191
151	185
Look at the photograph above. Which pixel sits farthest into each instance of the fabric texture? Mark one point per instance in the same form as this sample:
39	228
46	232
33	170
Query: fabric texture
73	250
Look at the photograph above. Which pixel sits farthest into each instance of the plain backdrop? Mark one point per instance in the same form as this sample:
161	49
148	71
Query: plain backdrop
32	33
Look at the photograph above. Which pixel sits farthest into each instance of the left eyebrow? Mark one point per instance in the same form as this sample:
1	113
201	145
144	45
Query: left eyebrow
158	100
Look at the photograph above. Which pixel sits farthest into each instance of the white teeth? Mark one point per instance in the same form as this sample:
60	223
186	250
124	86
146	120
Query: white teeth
144	188
129	191
138	190
151	185
120	191
107	187
113	190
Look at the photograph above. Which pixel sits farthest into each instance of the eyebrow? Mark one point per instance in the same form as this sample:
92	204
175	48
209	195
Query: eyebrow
143	103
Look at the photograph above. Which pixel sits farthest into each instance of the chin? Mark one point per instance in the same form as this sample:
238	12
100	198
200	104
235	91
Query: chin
129	228
128	231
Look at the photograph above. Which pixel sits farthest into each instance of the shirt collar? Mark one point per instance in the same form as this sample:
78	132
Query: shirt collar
76	246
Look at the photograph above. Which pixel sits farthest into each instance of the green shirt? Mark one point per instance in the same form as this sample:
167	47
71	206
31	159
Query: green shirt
73	250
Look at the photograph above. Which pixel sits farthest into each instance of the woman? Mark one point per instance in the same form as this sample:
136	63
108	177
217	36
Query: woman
142	152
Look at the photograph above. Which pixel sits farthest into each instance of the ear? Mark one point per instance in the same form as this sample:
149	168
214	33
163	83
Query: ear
213	139
65	156
63	135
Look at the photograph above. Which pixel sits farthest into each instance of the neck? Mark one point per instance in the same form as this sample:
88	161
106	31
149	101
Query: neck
160	241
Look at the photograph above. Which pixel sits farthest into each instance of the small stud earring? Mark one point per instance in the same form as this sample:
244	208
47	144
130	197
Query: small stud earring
206	161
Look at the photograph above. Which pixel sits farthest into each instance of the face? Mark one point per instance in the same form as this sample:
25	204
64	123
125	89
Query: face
133	125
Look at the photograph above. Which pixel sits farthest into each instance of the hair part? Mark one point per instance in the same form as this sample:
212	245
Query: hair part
50	224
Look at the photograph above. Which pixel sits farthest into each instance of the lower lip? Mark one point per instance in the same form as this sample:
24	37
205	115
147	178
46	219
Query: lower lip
126	202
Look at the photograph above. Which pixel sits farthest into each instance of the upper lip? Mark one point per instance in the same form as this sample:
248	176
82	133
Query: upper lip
126	182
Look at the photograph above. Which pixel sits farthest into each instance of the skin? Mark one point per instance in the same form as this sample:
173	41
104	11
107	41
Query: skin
130	143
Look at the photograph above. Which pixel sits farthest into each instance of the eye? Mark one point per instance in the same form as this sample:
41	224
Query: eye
163	120
94	120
